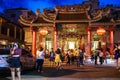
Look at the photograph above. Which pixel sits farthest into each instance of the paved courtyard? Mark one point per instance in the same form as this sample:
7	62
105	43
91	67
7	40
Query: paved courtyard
71	72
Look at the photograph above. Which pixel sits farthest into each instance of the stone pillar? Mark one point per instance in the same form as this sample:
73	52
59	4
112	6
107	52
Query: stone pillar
55	38
111	41
88	41
34	35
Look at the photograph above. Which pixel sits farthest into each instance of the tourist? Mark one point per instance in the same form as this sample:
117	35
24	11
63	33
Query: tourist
117	56
78	57
15	61
101	56
40	59
92	57
96	56
67	57
52	57
81	58
72	56
58	59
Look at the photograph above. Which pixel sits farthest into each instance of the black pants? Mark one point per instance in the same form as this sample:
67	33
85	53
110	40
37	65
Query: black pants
68	62
81	60
40	64
101	60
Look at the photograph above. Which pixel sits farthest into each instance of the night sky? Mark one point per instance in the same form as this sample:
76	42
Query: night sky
34	4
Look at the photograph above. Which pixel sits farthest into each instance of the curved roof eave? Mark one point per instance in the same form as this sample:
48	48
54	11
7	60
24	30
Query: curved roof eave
35	24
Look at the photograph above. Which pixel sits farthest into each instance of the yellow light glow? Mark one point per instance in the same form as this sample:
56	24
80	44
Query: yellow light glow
101	31
43	31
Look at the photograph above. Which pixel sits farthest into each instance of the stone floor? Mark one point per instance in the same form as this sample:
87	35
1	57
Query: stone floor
71	72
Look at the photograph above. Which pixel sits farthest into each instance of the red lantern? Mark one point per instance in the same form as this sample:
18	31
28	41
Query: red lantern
43	31
101	31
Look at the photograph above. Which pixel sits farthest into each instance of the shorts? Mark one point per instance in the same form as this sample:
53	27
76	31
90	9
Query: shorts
15	63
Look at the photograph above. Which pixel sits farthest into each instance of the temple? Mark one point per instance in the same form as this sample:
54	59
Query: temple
83	25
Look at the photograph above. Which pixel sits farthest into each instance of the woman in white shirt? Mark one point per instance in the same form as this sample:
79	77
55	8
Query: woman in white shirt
40	59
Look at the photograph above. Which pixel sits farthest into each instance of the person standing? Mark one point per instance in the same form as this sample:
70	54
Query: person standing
78	57
58	59
52	57
40	59
96	56
117	56
92	57
15	64
107	56
81	58
68	57
101	55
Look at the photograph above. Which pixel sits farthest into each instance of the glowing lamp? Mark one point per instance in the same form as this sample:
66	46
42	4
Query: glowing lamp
43	31
101	31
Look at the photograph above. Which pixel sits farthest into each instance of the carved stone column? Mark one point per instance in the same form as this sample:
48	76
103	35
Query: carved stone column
55	38
88	40
34	35
111	40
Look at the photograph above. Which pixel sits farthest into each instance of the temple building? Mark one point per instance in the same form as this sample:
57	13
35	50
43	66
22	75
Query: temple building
85	25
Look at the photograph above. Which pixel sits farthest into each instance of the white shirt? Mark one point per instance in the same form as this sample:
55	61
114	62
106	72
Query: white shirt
40	54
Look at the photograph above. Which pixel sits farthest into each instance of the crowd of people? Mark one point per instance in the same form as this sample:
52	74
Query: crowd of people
76	57
79	57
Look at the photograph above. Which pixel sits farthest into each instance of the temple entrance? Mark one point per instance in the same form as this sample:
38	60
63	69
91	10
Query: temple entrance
71	45
98	42
72	36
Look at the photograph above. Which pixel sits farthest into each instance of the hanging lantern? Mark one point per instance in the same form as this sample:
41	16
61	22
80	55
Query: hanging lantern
43	31
101	31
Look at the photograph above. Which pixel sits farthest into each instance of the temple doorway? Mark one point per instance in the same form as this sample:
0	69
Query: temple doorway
71	45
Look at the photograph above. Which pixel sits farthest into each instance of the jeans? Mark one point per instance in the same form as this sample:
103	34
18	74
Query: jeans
40	64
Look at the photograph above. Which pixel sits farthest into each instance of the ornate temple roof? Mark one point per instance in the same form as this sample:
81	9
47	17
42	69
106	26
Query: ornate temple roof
108	17
76	12
72	14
